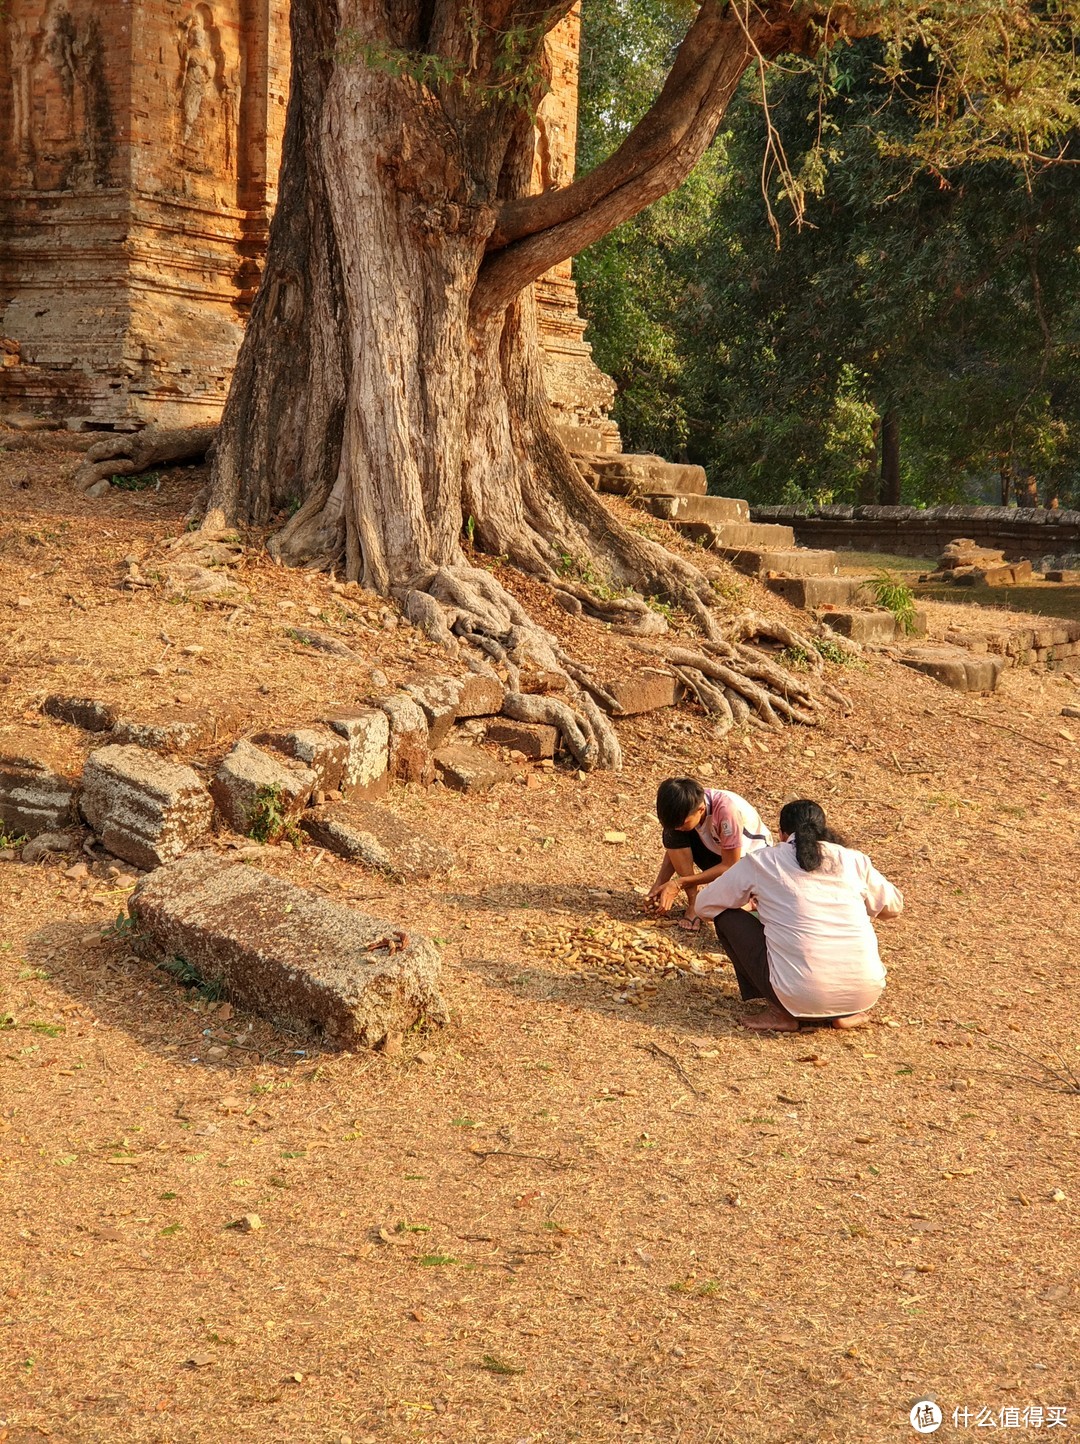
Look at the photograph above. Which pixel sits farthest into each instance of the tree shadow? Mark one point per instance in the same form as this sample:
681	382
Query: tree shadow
552	898
98	968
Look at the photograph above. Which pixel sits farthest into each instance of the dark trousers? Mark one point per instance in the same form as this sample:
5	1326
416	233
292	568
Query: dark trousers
743	939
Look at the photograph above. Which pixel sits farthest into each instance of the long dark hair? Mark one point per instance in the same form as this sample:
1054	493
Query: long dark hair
805	822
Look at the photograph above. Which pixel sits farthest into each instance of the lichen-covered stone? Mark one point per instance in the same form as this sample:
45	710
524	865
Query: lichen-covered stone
953	667
145	809
481	696
438	698
288	954
365	833
367	731
178	729
317	747
532	739
38	784
249	778
410	751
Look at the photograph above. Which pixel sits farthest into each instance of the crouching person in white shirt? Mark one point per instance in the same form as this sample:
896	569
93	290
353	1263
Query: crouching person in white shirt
811	952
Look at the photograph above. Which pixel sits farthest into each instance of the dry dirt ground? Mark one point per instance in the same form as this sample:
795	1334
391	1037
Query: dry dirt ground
585	1210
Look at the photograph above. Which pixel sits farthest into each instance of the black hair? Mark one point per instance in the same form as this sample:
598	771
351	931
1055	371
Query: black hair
676	799
805	822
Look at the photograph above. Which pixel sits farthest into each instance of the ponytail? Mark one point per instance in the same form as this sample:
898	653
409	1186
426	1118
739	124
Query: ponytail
804	821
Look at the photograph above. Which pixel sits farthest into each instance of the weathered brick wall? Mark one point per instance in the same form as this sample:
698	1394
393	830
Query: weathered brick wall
139	149
1020	532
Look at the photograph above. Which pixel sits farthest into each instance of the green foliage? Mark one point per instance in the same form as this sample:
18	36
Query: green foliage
268	820
887	236
10	837
211	990
148	481
896	597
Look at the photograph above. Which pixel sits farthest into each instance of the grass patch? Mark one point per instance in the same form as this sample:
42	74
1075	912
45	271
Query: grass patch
896	597
148	481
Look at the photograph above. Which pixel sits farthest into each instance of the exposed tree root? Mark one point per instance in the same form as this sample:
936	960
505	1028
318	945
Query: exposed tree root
129	454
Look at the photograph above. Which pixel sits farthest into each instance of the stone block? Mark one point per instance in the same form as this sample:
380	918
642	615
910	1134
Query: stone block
288	954
1064	575
367	731
468	769
645	690
38	784
798	562
319	748
481	696
534	739
365	833
438	698
711	509
88	713
873	626
145	809
178	729
248	776
53	844
809	592
956	668
627	474
410	752
734	536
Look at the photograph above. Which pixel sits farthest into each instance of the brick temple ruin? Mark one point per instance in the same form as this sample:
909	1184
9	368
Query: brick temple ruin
139	156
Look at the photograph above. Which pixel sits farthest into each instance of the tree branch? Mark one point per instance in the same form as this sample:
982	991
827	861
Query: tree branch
537	232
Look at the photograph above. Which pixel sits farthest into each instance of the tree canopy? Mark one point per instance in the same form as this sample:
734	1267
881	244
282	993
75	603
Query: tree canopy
889	272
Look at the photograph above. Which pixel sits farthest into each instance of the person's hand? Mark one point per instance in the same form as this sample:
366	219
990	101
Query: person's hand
667	895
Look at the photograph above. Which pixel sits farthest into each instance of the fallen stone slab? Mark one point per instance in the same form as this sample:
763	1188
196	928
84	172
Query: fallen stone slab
319	748
367	732
956	668
646	690
366	833
410	752
89	713
627	473
1065	575
288	954
38	783
144	809
251	784
467	769
535	740
796	562
178	729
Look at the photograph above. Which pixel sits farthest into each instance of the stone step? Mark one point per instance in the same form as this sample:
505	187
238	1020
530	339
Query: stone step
807	592
731	536
714	510
631	473
873	625
797	562
956	668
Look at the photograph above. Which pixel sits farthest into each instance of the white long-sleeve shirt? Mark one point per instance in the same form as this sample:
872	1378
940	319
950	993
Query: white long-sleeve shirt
823	954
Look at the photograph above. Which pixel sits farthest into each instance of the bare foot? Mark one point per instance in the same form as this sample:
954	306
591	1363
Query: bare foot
853	1020
770	1020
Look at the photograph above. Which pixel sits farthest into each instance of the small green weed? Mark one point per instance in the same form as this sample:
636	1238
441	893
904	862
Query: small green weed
122	927
895	596
210	989
437	1260
470	530
268	821
494	1365
11	839
148	481
50	1030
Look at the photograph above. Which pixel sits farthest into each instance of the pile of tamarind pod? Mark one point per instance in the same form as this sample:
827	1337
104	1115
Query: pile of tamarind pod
609	948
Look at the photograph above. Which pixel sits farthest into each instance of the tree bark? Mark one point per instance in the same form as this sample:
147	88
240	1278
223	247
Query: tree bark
890	457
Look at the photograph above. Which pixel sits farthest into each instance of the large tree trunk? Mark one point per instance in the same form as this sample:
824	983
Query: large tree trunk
389	388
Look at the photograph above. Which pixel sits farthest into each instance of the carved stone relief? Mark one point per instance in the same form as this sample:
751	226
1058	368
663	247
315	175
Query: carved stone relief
62	117
207	96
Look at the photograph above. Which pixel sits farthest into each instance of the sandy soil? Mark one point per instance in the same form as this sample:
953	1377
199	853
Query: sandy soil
588	1210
